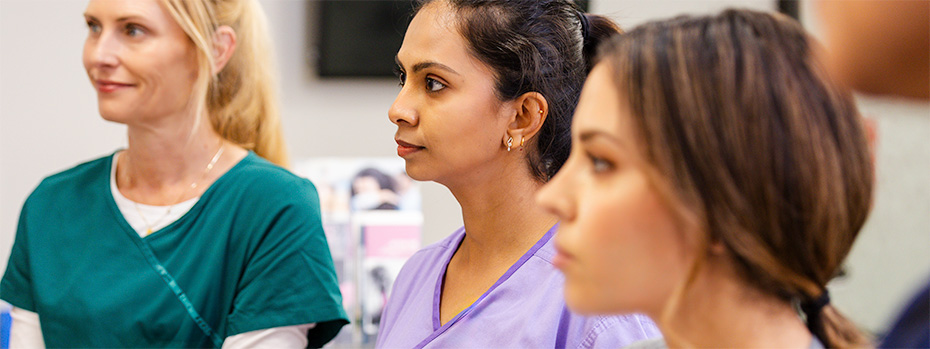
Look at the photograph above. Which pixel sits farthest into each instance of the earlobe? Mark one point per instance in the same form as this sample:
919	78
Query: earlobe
530	114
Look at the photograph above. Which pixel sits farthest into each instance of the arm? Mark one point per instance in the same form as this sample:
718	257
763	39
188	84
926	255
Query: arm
289	278
25	331
278	337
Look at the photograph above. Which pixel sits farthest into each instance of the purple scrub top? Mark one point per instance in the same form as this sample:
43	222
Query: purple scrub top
525	308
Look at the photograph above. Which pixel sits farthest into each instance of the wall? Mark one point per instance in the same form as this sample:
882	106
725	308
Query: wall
48	122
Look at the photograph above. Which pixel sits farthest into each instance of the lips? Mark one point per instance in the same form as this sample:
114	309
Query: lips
562	258
108	86
405	149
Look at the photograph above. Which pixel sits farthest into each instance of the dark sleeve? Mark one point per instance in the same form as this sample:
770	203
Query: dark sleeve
16	286
912	329
289	279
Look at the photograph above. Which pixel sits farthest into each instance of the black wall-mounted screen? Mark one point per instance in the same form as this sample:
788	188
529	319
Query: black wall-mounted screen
359	38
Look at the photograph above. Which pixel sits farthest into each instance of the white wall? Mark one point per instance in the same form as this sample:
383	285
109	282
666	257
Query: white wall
48	122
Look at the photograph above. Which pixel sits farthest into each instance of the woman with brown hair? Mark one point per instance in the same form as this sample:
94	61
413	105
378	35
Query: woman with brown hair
717	181
194	235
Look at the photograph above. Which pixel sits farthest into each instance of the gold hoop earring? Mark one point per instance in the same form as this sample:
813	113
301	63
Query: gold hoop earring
509	143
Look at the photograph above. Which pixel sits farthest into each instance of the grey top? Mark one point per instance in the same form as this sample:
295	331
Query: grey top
659	343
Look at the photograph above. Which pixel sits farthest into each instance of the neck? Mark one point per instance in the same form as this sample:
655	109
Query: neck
501	217
164	159
742	316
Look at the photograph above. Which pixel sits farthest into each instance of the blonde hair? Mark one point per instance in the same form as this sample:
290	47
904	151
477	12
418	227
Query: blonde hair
239	100
744	131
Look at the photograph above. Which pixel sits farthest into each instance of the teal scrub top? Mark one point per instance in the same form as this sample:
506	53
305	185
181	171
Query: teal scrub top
251	254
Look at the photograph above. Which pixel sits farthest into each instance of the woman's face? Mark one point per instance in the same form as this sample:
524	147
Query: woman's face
139	60
618	243
450	123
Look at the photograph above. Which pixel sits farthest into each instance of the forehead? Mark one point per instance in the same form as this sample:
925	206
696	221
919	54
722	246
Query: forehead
433	35
601	106
150	9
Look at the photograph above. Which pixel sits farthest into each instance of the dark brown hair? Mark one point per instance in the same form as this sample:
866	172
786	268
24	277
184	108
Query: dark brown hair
748	134
544	46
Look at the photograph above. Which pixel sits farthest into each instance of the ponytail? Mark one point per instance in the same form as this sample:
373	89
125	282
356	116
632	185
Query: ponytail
829	326
240	100
596	29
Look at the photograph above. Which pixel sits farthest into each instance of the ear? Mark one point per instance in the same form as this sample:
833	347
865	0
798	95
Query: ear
224	44
531	112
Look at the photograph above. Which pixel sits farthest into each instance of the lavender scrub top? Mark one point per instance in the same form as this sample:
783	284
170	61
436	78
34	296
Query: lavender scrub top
525	308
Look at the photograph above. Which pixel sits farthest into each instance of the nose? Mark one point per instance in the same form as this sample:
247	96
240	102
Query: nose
403	110
556	196
101	51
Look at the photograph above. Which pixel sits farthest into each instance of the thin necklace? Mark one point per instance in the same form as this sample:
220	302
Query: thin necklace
149	227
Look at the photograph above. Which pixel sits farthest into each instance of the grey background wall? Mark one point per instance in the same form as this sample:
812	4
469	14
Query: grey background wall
49	122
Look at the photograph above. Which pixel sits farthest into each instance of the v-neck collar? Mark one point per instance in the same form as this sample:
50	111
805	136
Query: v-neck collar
111	202
438	327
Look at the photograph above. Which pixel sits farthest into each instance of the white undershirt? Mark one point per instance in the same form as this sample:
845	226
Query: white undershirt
25	331
155	215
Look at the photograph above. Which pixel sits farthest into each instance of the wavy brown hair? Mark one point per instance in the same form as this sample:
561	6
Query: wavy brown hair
745	131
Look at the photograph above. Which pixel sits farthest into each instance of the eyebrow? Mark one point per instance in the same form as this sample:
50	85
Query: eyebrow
590	135
428	64
121	19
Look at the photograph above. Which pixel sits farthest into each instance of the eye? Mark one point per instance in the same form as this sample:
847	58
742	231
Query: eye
400	76
93	27
600	165
434	85
133	30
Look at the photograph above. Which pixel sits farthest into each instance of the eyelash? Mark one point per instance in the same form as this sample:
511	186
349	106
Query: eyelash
130	28
429	82
400	75
93	27
599	165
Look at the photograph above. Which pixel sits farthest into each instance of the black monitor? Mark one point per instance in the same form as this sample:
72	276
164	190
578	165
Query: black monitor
359	38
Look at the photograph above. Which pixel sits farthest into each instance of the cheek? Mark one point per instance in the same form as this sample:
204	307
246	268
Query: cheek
464	133
172	74
632	254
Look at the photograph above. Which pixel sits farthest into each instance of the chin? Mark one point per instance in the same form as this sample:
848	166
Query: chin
417	172
586	302
113	117
114	113
576	300
582	306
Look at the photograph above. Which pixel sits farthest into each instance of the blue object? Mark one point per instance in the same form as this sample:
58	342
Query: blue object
5	322
912	329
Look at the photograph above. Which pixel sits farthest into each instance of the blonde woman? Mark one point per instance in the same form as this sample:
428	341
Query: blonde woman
189	237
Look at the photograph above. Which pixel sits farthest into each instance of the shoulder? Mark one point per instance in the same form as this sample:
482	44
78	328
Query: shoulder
256	177
72	180
910	329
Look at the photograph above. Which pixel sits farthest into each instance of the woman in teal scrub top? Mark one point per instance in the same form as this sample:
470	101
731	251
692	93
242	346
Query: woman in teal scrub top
192	236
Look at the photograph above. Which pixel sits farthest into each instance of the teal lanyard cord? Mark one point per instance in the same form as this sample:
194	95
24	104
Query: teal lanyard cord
207	330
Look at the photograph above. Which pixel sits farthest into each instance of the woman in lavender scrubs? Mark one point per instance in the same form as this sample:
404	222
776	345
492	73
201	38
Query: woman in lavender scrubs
488	90
715	154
